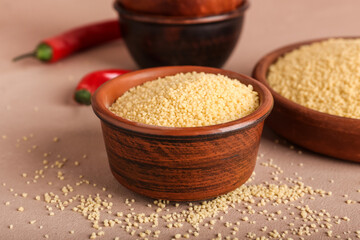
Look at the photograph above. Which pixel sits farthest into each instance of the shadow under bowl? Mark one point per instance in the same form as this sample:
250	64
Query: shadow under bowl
180	164
167	41
323	133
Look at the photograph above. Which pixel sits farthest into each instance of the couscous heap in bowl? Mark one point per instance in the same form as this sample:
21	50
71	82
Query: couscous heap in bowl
187	100
323	76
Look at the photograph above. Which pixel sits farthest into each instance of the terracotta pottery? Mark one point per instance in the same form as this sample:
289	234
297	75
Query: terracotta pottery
323	133
190	8
182	164
162	41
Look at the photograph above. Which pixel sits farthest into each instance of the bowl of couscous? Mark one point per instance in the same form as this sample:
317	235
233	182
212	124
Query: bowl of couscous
182	133
316	89
158	40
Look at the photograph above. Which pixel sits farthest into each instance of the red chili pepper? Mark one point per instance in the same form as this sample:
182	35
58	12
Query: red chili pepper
58	47
90	82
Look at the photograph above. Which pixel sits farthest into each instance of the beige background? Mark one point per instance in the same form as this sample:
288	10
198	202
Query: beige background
36	102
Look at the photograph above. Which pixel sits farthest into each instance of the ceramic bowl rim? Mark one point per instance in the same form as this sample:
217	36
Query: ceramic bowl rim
260	72
179	20
259	115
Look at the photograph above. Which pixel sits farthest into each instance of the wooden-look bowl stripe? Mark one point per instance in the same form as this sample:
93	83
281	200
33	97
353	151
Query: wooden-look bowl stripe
180	188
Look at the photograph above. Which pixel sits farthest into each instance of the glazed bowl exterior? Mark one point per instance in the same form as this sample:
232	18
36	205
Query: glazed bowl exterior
173	163
190	8
167	41
323	133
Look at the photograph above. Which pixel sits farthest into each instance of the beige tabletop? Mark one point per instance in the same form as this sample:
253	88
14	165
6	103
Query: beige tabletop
51	145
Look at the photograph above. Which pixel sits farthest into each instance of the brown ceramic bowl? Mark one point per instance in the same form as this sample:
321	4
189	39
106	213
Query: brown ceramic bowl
190	8
167	41
182	164
320	132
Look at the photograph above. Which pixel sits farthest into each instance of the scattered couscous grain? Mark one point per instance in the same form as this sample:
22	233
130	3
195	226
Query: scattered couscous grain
323	76
248	202
187	100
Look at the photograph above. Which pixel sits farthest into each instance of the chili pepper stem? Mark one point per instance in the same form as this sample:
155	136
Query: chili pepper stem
26	55
83	96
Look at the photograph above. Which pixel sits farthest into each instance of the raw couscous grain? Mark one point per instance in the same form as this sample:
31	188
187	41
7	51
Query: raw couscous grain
187	100
324	76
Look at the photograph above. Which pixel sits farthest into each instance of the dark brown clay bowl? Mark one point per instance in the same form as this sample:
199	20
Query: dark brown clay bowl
323	133
190	8
167	41
182	164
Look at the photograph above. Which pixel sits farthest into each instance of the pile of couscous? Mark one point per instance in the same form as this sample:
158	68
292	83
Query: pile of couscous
187	100
324	76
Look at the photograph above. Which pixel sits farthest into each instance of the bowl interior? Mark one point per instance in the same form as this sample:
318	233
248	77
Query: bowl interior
111	90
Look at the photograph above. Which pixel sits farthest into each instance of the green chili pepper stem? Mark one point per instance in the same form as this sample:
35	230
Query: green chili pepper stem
83	96
43	52
26	55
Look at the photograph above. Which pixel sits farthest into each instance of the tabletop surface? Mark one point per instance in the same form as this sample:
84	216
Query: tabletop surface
52	148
